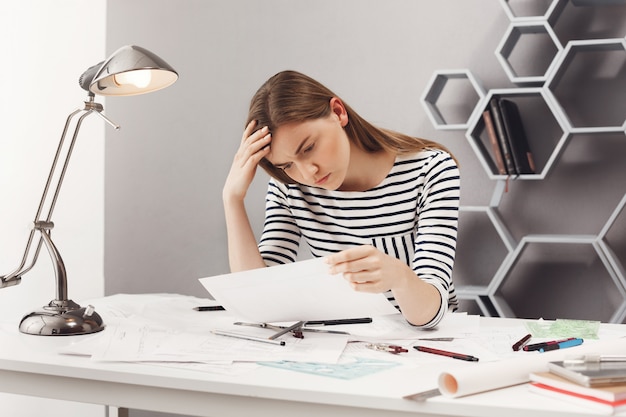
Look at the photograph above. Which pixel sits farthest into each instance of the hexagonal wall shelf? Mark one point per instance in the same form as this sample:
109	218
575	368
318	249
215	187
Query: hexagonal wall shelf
528	52
581	98
612	242
594	19
546	134
547	276
460	86
476	303
517	10
561	92
480	226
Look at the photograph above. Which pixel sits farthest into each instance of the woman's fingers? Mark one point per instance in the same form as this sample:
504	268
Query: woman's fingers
254	147
349	260
254	143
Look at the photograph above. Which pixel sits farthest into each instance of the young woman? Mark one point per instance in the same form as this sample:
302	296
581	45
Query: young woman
381	206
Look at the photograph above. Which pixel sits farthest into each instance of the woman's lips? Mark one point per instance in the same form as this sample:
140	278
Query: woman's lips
322	180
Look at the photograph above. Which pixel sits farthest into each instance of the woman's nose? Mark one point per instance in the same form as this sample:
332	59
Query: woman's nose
308	170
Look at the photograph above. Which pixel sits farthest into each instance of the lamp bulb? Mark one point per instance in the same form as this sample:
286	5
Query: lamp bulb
139	78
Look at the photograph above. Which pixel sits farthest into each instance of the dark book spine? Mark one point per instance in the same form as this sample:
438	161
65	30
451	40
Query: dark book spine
495	143
520	149
494	105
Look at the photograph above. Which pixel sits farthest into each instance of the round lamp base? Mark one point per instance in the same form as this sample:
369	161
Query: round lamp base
62	318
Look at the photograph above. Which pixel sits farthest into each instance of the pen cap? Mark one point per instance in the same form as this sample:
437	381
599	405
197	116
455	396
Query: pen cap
570	343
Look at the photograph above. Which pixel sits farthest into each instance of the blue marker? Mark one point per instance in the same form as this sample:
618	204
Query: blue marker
562	345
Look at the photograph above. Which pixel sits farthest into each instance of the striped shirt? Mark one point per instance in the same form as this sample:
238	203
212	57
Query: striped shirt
411	215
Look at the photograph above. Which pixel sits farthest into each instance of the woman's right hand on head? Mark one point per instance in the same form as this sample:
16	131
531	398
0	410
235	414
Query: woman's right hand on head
254	147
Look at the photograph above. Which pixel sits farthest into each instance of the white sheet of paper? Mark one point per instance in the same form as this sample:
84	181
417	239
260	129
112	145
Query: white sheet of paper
296	291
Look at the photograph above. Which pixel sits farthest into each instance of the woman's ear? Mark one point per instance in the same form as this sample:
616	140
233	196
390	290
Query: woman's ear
339	110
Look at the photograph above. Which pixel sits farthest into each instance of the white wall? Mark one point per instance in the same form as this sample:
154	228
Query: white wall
45	46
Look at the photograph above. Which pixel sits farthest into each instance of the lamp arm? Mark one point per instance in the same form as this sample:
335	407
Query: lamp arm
59	266
14	278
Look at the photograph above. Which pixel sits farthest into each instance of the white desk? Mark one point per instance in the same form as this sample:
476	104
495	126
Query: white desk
30	366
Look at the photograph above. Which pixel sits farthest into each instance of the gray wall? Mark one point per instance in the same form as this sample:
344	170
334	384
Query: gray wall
164	170
166	166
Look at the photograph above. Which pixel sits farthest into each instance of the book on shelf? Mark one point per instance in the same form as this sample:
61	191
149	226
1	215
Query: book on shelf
495	144
608	399
510	136
505	147
516	135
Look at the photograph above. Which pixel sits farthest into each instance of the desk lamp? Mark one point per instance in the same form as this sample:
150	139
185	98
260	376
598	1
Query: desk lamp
131	70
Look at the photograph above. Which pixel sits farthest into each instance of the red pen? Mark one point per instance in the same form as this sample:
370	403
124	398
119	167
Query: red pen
453	355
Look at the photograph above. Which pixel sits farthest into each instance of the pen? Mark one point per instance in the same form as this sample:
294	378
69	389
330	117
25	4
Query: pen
209	308
522	342
562	345
453	355
336	322
539	346
248	337
437	339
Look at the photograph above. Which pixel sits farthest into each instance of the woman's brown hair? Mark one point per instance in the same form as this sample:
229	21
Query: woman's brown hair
290	96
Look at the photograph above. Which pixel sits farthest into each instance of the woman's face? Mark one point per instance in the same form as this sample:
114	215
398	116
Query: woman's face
315	152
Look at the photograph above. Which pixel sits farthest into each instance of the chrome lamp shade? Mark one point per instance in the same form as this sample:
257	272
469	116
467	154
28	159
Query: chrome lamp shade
131	70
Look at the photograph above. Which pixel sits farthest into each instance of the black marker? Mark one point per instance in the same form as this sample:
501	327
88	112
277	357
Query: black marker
209	308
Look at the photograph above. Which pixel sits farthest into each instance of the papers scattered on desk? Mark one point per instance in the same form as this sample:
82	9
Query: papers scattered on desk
293	292
140	342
